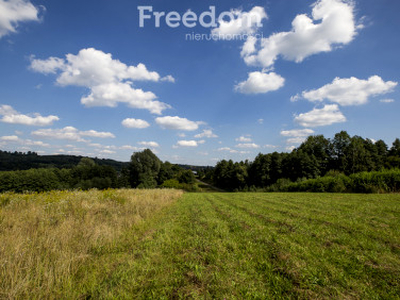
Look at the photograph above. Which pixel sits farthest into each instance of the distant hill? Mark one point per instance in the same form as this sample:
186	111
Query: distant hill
195	168
12	161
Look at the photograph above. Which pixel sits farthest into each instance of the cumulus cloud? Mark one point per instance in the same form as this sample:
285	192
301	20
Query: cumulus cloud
168	78
11	116
109	80
240	22
290	148
327	115
350	91
332	23
111	94
227	149
177	123
247	146
245	139
297	132
9	138
296	140
233	151
185	143
149	144
135	123
71	133
4	140
47	66
13	12
129	147
270	146
260	82
297	136
207	133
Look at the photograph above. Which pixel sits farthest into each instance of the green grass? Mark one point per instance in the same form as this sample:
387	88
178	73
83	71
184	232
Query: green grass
255	245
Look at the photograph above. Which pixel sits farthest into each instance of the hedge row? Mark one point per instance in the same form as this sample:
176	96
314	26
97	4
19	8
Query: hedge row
386	181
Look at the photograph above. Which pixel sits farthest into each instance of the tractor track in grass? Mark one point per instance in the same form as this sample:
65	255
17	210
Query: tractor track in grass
274	262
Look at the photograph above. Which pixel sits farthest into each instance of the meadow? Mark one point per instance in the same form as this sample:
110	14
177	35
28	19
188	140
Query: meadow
165	244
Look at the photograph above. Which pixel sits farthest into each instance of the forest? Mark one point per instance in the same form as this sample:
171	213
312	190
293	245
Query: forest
338	159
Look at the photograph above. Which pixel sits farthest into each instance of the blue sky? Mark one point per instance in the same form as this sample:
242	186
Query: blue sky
84	78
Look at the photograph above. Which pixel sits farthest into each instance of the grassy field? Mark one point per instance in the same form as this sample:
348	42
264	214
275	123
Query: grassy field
159	244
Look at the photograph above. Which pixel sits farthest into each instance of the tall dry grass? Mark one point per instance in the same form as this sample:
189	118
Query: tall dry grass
46	238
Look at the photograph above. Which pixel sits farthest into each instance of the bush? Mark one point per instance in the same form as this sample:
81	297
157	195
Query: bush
34	180
386	181
171	184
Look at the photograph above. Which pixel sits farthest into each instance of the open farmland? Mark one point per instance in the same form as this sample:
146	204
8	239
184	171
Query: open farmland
211	245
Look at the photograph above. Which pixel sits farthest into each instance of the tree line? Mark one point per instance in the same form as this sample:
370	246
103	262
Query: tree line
145	170
343	163
13	161
314	158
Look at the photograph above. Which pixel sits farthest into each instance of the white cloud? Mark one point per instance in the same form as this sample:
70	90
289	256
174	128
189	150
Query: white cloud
11	116
260	82
296	136
331	24
177	123
70	133
91	67
248	146
132	148
290	148
48	66
296	140
245	139
297	132
351	91
228	149
16	139
327	115
249	46
35	143
295	98
97	134
233	151
270	146
240	22
149	144
168	78
111	94
13	12
207	133
135	123
260	121
386	100
184	143
10	138
109	80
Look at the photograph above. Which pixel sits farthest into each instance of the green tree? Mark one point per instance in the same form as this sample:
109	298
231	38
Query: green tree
144	169
340	151
394	155
186	176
